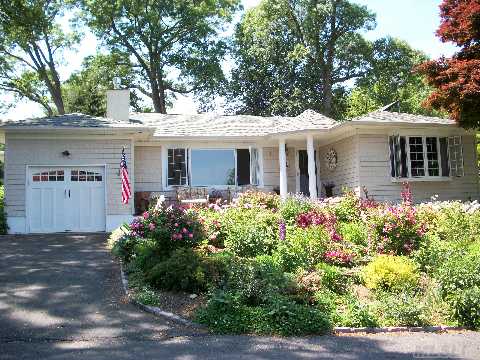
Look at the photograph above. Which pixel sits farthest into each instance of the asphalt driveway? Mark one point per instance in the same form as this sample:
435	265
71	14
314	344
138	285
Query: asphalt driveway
61	298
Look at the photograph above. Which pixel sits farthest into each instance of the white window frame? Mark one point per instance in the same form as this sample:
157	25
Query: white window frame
426	177
189	149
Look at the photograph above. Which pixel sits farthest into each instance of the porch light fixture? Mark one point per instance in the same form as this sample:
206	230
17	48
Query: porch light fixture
66	153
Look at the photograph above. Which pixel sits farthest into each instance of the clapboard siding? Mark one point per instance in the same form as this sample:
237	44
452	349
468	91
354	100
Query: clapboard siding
345	175
375	174
22	152
148	168
271	169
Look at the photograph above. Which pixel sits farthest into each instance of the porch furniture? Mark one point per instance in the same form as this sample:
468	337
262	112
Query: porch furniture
192	195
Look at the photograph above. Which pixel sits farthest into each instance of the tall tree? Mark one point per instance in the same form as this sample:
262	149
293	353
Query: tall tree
85	90
300	52
457	79
175	43
31	43
389	78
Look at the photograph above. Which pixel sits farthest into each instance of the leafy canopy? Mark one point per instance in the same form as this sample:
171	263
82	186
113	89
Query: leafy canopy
457	80
175	44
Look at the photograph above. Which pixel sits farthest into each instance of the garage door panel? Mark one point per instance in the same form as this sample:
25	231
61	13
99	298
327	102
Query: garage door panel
66	199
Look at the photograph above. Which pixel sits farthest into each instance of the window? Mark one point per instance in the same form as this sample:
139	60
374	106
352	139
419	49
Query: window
177	167
425	156
213	167
82	175
54	175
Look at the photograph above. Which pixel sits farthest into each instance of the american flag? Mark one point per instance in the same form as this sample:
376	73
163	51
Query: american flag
126	193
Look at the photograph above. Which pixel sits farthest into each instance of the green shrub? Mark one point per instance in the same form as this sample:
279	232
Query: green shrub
466	307
124	246
261	199
250	231
452	223
302	248
433	252
461	271
325	301
294	206
400	309
3	216
354	232
256	280
225	313
353	313
333	277
348	208
393	273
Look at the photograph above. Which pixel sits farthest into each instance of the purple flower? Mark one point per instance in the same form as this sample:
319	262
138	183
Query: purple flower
282	229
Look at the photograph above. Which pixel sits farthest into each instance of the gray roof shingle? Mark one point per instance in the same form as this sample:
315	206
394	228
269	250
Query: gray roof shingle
67	121
381	116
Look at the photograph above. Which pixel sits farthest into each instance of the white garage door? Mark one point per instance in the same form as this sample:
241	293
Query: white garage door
66	199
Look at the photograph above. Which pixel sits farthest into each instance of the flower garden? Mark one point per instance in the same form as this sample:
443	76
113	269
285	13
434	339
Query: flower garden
299	266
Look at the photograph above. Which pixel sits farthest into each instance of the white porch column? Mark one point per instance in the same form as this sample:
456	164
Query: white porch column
312	177
282	159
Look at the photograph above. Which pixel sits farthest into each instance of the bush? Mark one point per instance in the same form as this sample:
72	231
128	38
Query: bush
353	313
348	208
189	271
433	252
354	232
256	280
225	313
3	216
403	309
466	307
302	248
461	271
294	206
259	199
391	273
333	278
123	246
452	223
250	231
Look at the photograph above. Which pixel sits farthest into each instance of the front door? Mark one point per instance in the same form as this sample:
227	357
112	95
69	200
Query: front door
303	171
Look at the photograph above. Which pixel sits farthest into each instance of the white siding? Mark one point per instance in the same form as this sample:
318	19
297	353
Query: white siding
148	168
22	152
271	168
346	174
375	174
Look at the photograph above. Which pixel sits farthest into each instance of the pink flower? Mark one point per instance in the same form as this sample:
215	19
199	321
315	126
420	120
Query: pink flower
151	226
190	236
146	215
176	224
184	230
213	237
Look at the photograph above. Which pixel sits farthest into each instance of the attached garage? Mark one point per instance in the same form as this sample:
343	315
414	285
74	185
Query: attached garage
62	199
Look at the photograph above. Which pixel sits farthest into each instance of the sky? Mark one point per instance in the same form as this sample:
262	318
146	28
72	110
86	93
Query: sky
414	21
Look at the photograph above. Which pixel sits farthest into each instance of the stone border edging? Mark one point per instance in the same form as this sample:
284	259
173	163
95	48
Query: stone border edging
336	330
154	309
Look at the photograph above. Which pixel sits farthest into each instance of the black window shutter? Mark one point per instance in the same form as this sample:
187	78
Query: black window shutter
392	156
243	166
403	157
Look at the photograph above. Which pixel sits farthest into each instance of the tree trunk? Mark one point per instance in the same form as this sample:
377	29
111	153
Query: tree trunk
327	94
58	101
158	97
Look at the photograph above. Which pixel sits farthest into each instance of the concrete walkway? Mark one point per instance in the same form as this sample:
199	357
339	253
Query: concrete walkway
60	298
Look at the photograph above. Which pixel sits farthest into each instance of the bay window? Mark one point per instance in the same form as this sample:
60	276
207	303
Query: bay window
425	156
213	167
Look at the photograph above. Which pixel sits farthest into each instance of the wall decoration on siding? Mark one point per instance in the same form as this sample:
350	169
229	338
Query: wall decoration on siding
331	159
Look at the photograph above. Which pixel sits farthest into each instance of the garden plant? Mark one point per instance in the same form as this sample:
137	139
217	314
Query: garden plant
302	266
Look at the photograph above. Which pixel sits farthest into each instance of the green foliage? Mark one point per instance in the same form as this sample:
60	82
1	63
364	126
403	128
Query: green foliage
302	248
189	271
256	280
85	91
354	232
288	58
433	252
348	208
166	37
466	307
333	277
225	313
401	309
390	78
353	313
259	199
32	42
461	271
392	273
250	231
452	223
294	206
3	216
124	247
